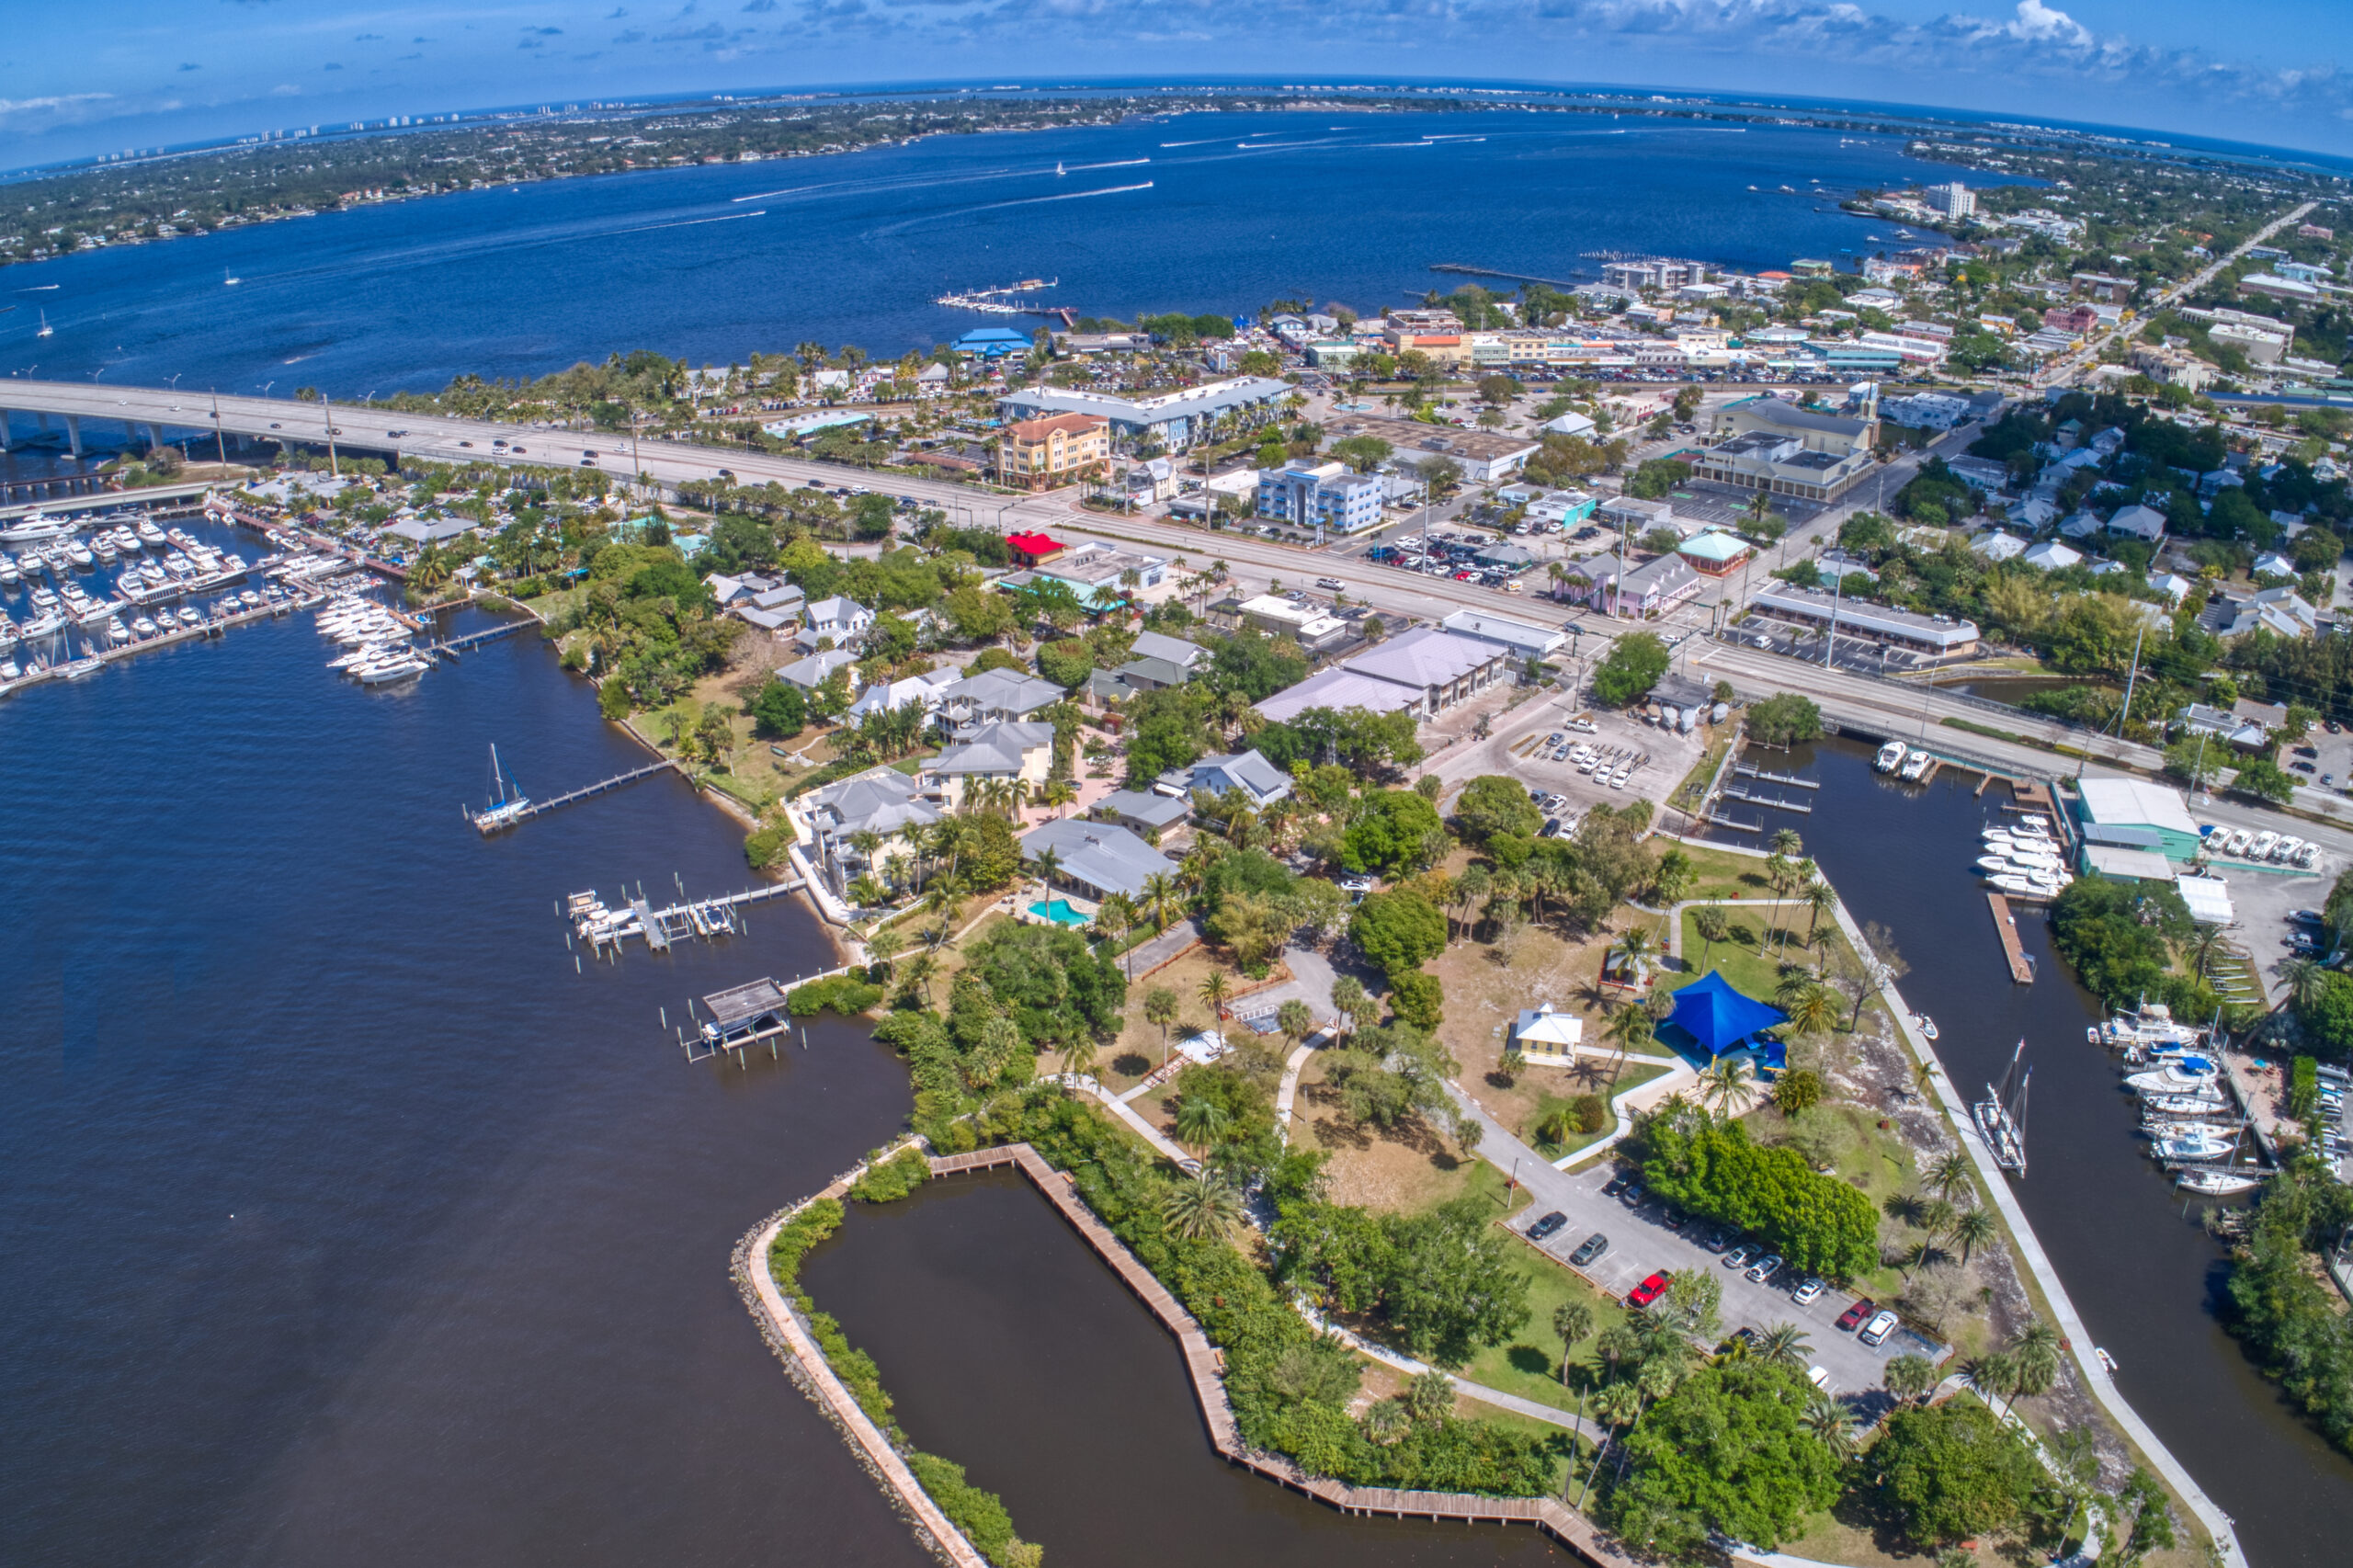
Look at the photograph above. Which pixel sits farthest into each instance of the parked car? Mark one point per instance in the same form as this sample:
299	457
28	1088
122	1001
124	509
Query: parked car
1864	1307
1719	1240
1764	1267
1547	1225
1738	1258
1616	1185
1743	1335
1650	1290
1593	1247
1876	1330
1809	1290
1633	1196
1675	1219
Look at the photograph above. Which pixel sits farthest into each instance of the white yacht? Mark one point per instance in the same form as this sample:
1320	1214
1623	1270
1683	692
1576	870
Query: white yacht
143	627
79	555
34	529
1889	758
2194	1146
149	534
2177	1075
2218	1184
1914	766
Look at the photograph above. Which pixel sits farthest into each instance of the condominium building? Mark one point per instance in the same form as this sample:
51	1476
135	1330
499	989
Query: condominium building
1954	200
1039	454
1325	496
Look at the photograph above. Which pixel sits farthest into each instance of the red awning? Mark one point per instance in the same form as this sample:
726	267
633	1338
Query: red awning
1033	544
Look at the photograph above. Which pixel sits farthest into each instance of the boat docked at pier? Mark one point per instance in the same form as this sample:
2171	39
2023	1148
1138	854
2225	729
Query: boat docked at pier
2001	1115
1889	758
2145	1027
2211	1182
508	806
2188	1072
35	529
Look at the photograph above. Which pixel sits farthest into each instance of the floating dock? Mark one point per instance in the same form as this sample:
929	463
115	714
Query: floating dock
1735	792
604	927
2005	924
1768	777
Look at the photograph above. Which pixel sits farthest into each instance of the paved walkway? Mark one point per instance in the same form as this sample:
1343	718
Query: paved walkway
1084	1083
1535	1409
1146	956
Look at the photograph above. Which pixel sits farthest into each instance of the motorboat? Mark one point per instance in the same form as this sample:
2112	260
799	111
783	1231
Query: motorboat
2218	1184
2261	848
191	616
1889	758
143	627
2150	1025
2194	1146
149	534
103	548
34	529
2016	886
1926	1025
1993	865
2308	857
2240	839
117	632
1915	768
2286	849
400	668
2178	1075
80	555
2184	1105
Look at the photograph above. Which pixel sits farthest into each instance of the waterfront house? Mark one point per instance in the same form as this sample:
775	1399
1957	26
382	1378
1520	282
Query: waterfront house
919	691
990	754
995	697
1097	859
1061	448
814	671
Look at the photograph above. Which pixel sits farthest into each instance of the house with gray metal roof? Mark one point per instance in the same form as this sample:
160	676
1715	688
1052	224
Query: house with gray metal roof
1257	778
1175	650
995	697
813	672
1524	641
1143	810
1098	858
991	753
1427	670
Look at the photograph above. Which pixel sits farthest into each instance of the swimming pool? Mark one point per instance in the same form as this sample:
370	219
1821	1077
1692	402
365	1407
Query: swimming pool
1061	912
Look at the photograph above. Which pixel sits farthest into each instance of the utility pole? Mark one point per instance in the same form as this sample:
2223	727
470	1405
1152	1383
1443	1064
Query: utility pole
328	412
1830	646
220	441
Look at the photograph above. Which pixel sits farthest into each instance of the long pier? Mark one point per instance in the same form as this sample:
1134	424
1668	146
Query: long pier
1768	777
454	646
703	919
1735	792
2005	924
489	824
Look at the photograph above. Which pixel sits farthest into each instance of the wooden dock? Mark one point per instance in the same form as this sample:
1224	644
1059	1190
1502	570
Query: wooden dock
457	646
1746	771
706	918
2005	924
1735	792
484	821
1204	1365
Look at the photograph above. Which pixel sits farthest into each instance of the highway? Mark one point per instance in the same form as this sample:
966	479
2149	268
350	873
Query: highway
2067	364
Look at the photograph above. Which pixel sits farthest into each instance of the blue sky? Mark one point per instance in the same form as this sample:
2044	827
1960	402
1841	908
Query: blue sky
153	72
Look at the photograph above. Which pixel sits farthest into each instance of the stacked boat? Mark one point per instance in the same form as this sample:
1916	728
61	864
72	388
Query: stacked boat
2023	860
377	643
2246	844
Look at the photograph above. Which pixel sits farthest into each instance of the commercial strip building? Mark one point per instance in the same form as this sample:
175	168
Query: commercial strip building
2134	813
1523	641
1424	672
1176	420
1485	456
1936	635
1774	446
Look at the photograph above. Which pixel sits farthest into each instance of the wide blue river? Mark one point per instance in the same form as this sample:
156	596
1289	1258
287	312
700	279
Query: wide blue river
1203	212
345	1220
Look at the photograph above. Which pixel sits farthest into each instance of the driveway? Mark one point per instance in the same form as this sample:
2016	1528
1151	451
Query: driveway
1639	1243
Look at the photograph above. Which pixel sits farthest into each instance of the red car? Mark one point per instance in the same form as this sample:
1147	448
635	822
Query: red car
1649	1290
1858	1312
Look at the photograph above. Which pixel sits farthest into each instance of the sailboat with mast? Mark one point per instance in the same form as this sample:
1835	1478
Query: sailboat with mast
508	805
2001	1115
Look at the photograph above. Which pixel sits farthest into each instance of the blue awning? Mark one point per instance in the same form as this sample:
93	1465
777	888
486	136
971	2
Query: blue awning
1721	1018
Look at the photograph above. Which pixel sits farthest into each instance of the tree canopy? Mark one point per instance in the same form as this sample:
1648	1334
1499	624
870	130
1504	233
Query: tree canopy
1631	669
1952	1471
1727	1452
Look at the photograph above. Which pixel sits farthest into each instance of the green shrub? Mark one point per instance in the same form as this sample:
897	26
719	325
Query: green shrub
764	848
980	1515
888	1182
612	700
844	993
1592	1115
796	1236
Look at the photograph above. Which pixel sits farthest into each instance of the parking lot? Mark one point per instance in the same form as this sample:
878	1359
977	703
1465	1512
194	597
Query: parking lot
1640	1245
2262	899
1664	756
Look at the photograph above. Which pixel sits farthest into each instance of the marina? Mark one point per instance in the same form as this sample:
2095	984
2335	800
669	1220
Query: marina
2006	926
605	928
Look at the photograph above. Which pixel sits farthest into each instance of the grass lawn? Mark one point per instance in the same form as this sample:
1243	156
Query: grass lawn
1718	874
1138	1051
1695	783
1401	1169
1632	1074
1530	1364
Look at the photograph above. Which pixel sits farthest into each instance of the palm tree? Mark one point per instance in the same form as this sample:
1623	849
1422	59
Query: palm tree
1630	1029
1057	793
1830	1424
1200	1120
1712	924
1572	1321
1619	1405
1813	1011
1728	1085
1784	1344
1048	863
1160	1007
2300	979
1949	1174
1159	893
884	945
1820	900
920	970
1202	1208
1787	843
1909	1377
1991	1376
1116	916
1214	991
1936	1216
1973	1229
1297	1021
2034	1360
1078	1056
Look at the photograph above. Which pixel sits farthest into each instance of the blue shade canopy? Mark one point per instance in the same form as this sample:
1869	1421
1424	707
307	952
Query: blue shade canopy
1719	1018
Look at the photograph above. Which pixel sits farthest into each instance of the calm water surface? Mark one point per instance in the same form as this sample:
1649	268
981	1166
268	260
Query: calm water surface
345	1222
2144	1275
1204	212
1010	1347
